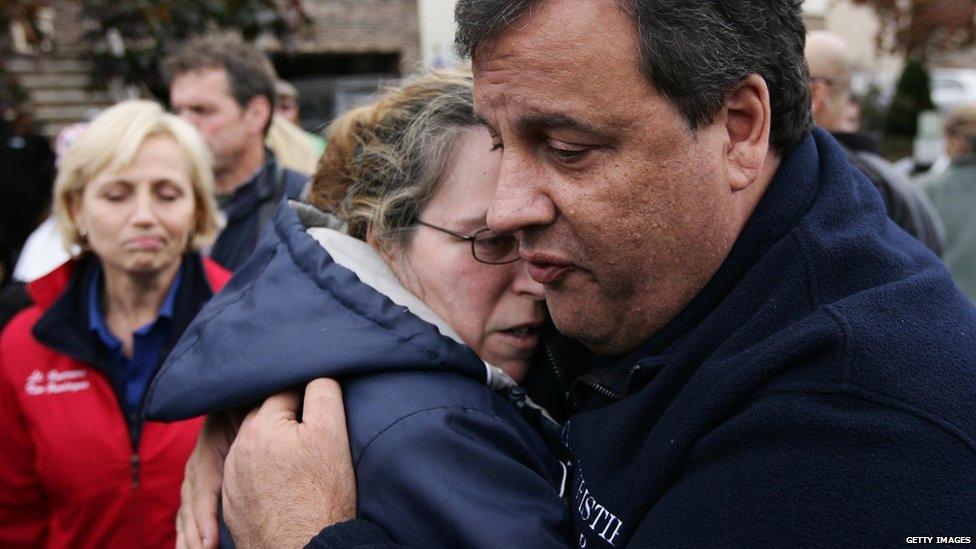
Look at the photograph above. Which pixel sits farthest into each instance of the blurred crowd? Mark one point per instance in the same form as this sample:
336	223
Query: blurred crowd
158	264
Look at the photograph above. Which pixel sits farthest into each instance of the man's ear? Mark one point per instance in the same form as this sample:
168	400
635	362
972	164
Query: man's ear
257	114
747	118
819	95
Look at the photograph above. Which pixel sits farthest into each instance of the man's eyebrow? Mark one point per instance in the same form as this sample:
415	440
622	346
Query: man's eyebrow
481	120
560	121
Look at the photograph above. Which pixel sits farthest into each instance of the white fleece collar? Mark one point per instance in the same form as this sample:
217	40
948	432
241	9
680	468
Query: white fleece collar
360	258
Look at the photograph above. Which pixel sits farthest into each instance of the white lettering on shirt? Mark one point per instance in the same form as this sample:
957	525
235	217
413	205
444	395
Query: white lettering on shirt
597	518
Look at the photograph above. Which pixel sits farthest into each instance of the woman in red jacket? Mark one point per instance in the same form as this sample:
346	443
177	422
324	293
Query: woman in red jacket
78	465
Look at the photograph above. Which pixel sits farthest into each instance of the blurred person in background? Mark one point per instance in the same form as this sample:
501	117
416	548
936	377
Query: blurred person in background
828	58
852	117
27	165
953	192
44	250
226	88
13	293
288	107
427	318
287	102
291	146
78	464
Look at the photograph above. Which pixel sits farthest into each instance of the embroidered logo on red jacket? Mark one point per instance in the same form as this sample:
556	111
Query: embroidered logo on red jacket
56	382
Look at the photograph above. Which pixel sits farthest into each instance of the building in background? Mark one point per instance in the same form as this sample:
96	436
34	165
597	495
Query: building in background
353	48
859	27
437	33
350	49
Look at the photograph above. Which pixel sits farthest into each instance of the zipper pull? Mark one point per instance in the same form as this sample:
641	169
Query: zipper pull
134	462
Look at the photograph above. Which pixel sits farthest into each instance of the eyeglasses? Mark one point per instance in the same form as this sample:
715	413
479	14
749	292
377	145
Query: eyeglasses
486	246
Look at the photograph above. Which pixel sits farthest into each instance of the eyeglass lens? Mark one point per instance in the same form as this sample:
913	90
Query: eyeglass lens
489	247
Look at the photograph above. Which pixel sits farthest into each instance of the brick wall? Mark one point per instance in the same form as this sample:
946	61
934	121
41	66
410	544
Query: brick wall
365	26
58	80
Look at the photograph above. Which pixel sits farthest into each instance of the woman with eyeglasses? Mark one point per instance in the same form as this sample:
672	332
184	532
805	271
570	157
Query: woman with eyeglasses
427	318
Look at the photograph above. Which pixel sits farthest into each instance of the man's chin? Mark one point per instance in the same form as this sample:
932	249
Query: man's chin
590	324
577	318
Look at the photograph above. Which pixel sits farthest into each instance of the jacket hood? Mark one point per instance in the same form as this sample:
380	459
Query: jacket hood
310	302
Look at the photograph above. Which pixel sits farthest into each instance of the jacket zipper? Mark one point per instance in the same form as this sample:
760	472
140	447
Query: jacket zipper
599	388
592	383
134	461
564	386
134	435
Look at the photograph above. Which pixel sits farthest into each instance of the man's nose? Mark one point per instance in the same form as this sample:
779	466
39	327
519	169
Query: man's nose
188	116
521	197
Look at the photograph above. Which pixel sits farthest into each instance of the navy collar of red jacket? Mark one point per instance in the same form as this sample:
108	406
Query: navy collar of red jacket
63	295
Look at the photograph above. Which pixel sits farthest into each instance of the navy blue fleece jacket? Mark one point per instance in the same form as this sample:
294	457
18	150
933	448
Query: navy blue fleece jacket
819	391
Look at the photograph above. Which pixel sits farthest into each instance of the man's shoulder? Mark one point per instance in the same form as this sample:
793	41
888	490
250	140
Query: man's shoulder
879	310
912	342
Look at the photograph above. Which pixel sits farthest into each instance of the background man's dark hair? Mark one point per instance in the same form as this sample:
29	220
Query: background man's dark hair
249	71
694	51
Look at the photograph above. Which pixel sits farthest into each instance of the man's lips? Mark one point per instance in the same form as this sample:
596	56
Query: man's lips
546	269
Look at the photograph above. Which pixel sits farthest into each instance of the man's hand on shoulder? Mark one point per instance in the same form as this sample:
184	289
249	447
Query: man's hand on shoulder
285	480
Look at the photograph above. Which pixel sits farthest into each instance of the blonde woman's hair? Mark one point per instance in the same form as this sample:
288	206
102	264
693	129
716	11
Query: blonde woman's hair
386	161
292	147
110	144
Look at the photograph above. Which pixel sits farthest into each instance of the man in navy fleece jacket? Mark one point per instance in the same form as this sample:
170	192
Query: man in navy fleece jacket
789	367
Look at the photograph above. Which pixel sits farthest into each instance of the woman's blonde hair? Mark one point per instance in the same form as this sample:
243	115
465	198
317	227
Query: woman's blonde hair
292	147
111	142
385	161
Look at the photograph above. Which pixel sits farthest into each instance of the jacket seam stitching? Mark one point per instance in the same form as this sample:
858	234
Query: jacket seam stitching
854	390
847	333
400	420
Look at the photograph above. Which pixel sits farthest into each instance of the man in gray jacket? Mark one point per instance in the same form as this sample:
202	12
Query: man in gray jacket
953	192
829	60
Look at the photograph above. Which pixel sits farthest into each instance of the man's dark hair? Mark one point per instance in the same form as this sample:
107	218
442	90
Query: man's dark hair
249	71
694	52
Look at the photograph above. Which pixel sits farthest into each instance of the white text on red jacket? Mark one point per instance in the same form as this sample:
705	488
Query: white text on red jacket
56	382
